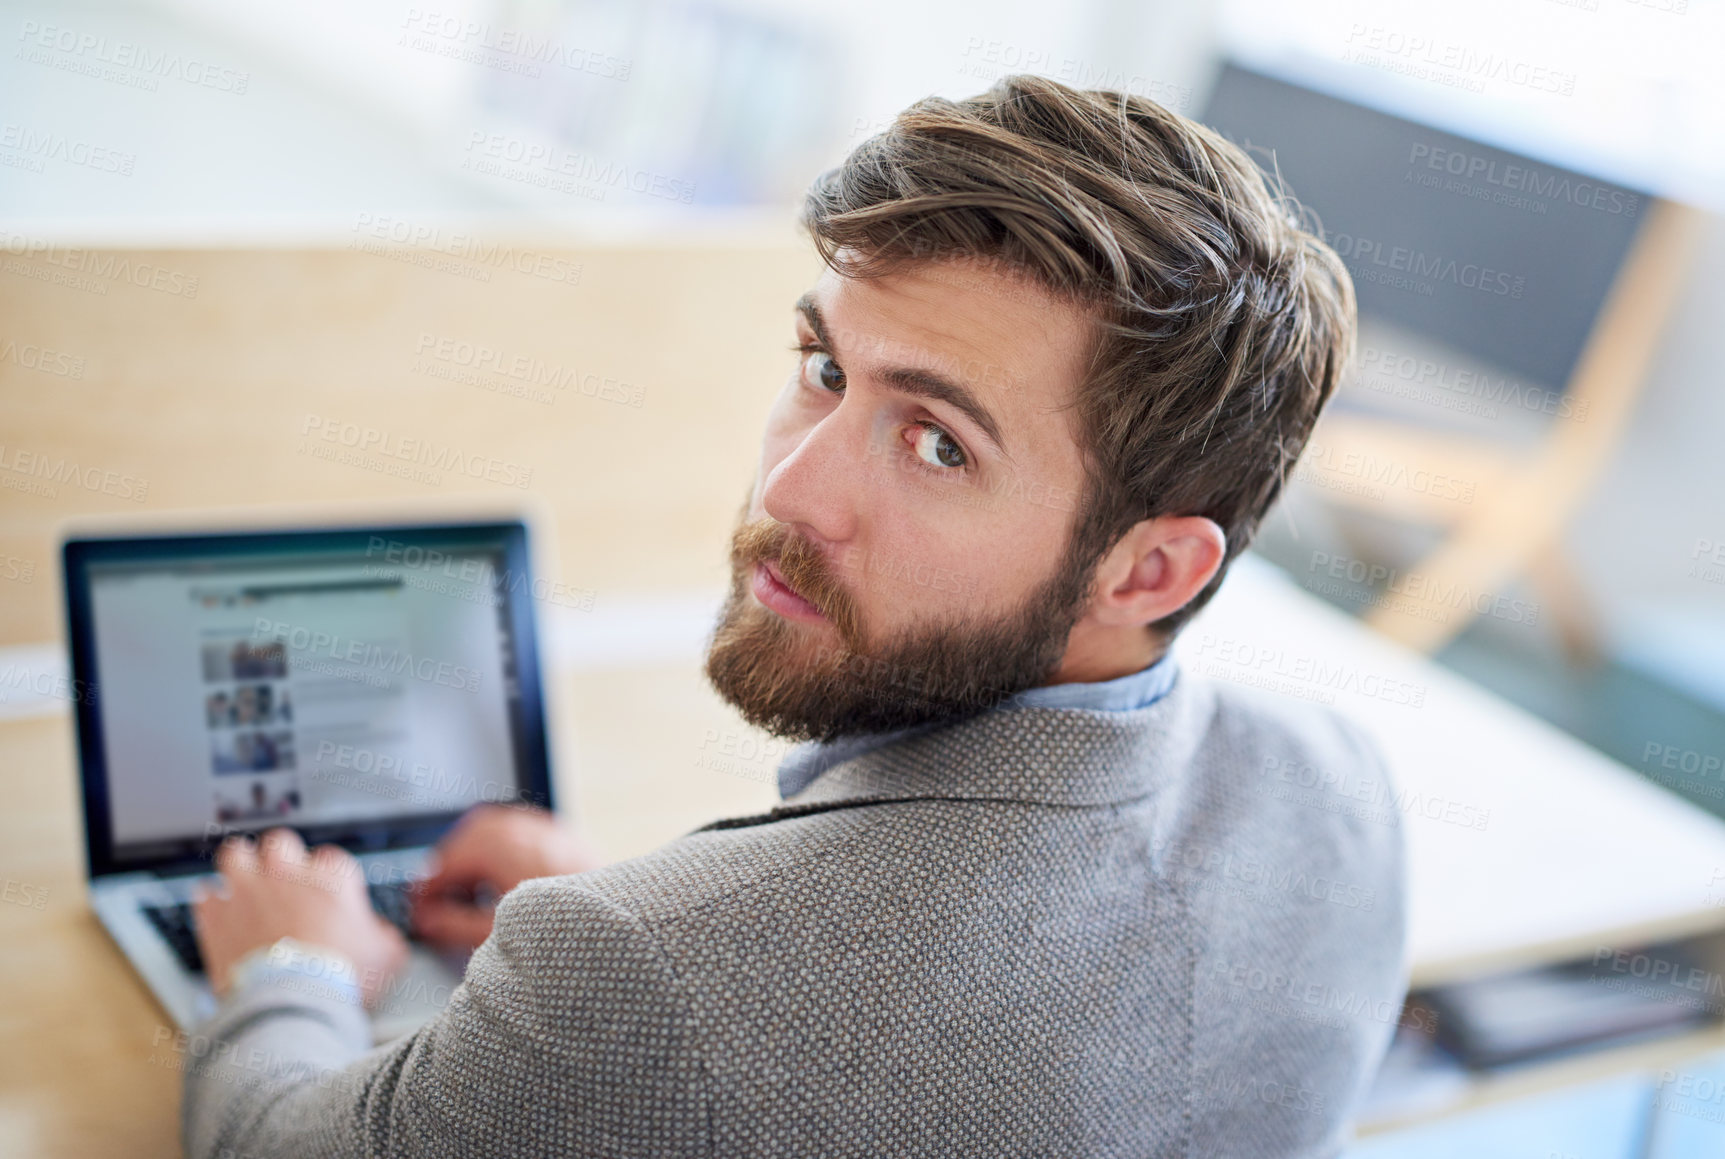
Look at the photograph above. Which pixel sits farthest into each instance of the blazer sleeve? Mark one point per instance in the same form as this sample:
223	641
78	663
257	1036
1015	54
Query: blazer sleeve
570	1035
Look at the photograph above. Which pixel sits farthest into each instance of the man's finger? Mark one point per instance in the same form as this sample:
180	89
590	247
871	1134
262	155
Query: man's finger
283	847
447	878
462	858
237	855
214	888
335	861
449	923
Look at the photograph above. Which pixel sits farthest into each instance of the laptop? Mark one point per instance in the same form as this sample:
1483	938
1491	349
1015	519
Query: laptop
363	686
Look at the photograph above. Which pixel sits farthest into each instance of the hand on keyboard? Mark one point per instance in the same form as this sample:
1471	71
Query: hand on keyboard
393	901
278	889
491	850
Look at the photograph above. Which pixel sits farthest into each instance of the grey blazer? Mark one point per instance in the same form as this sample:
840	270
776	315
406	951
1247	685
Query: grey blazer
1039	932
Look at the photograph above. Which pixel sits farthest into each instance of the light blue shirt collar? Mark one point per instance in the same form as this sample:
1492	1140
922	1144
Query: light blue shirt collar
1123	694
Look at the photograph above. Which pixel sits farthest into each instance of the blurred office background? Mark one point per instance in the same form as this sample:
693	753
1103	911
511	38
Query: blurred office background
227	229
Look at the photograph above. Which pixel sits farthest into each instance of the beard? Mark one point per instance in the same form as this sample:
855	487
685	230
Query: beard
794	681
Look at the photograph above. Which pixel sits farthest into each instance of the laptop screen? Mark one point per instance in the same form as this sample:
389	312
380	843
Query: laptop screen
365	687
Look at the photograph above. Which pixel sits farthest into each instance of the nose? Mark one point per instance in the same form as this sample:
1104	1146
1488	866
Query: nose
816	488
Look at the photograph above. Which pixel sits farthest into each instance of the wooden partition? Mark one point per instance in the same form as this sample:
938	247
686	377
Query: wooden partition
620	386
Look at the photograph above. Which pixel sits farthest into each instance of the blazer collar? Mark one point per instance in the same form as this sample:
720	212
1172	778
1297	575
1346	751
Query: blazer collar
1045	756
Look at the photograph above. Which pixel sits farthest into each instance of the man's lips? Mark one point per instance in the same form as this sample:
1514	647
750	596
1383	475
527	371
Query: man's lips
771	589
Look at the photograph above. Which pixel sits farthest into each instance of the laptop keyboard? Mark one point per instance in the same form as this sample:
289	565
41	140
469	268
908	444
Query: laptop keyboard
174	923
390	899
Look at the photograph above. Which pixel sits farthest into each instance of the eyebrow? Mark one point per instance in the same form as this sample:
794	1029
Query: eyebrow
920	383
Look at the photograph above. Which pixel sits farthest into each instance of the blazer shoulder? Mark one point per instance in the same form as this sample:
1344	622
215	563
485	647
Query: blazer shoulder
1252	722
705	869
1278	772
559	947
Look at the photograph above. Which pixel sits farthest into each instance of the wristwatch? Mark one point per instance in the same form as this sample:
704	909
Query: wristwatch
293	963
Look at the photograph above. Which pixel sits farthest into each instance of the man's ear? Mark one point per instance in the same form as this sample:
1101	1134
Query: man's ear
1156	569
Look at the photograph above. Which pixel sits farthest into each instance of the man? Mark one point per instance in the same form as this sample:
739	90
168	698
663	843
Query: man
1029	891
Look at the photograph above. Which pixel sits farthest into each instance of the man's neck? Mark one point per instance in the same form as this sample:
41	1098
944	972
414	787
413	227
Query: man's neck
1091	659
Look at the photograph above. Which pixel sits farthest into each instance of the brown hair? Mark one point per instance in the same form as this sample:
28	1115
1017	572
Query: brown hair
1223	322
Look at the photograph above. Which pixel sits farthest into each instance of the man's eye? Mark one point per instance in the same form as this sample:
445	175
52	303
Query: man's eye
819	370
937	448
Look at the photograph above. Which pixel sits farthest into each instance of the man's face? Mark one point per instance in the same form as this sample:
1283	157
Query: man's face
902	555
